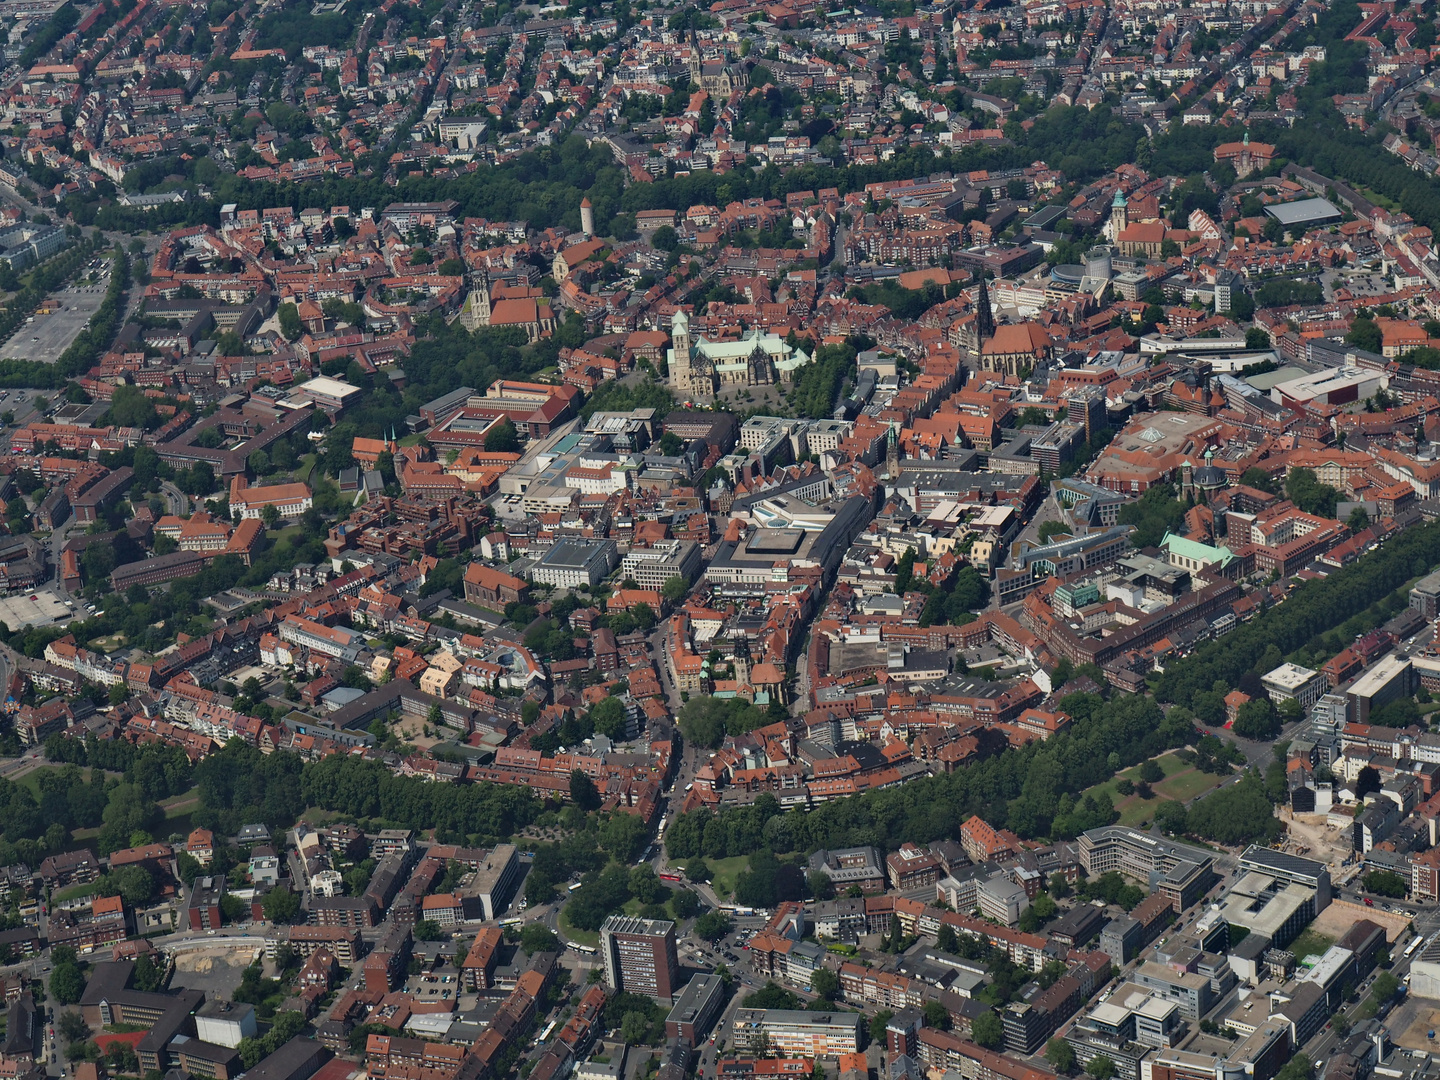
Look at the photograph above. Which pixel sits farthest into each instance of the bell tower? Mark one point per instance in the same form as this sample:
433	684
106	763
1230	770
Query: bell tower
477	312
740	662
680	351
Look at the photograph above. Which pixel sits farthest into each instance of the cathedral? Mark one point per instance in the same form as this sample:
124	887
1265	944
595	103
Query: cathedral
702	369
496	304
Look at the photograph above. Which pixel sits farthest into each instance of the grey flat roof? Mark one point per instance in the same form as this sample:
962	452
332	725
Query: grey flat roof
1279	861
576	553
1303	211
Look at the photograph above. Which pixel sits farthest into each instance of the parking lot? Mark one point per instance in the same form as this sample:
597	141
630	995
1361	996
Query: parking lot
50	335
40	608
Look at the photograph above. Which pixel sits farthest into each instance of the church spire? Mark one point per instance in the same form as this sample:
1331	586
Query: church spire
984	317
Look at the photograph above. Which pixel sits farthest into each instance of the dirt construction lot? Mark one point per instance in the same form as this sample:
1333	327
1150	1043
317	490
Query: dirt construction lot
1411	1023
1337	919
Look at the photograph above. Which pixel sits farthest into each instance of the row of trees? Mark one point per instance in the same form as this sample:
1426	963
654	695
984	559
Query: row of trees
1311	610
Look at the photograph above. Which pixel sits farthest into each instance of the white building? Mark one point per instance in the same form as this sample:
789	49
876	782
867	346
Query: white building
1292	682
577	561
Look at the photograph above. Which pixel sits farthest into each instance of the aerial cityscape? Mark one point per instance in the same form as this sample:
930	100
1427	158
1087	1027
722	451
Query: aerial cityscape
742	540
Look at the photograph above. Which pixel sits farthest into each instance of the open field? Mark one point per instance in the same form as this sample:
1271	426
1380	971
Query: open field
1310	943
1412	1021
1341	915
726	872
1182	782
570	933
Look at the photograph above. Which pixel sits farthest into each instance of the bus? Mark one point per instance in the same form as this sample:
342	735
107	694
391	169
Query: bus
575	886
668	876
512	922
548	1029
736	909
1414	945
589	950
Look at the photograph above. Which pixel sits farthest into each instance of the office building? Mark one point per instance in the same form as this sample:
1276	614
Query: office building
793	1032
696	1009
203	910
576	561
1288	869
1292	682
1191	992
1275	909
652	567
1390	679
494	881
639	956
1178	871
225	1023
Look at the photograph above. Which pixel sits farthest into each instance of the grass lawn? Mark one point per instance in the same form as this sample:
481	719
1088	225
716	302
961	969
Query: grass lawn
1378	199
1186	785
73	893
570	933
1182	782
725	872
1310	944
179	805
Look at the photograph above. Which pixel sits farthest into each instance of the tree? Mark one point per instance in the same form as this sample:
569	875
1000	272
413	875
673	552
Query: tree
989	1032
826	983
609	718
73	1027
1305	490
684	903
1151	771
877	1024
537	937
1060	1054
1297	1068
1257	338
1384	883
1365	334
1358	519
280	905
633	1027
270	515
712	926
1100	1067
665	238
502	438
583	792
821	887
428	930
1256	719
129	407
290	324
645	884
945	939
674	589
67	984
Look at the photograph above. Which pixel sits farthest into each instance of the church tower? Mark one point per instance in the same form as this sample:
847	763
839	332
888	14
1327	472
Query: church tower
1119	216
740	662
477	310
680	351
984	316
892	453
587	219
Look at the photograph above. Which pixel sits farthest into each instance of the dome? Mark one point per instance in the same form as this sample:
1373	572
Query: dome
1209	476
